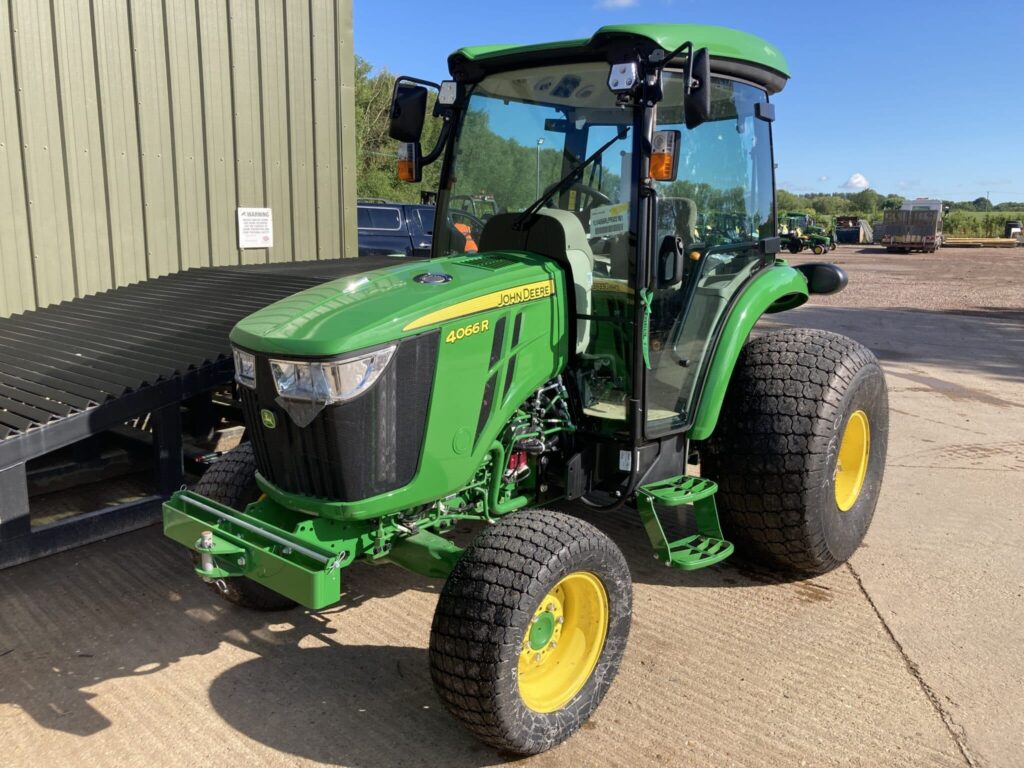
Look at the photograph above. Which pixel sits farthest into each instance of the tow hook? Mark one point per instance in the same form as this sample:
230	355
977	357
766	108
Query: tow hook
204	545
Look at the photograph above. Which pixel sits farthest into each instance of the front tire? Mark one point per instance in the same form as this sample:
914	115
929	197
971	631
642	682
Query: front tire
232	482
530	630
799	450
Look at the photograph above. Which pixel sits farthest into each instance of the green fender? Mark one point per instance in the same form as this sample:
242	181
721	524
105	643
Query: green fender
776	289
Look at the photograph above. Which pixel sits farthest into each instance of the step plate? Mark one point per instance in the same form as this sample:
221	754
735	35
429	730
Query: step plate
694	552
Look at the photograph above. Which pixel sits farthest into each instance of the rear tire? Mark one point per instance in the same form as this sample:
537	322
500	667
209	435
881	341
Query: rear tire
795	246
232	482
798	487
530	630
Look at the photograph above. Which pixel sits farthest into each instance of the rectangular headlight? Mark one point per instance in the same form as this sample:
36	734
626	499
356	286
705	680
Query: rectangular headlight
326	383
245	368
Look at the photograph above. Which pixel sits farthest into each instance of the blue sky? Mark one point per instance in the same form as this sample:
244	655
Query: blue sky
915	98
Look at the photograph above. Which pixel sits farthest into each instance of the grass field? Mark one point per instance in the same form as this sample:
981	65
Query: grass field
978	224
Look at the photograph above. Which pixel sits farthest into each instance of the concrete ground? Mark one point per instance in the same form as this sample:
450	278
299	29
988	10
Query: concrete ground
114	655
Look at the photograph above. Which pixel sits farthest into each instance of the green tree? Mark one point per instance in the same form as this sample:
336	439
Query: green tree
376	152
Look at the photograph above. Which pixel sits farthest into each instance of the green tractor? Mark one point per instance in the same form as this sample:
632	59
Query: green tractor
800	231
597	344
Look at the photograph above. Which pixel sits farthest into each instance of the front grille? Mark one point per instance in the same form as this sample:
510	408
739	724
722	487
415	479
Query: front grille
353	450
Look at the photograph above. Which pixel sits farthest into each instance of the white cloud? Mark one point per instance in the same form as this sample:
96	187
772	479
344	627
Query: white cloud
823	178
856	181
617	3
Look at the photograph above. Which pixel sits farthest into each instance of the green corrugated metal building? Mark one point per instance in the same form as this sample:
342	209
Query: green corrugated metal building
132	130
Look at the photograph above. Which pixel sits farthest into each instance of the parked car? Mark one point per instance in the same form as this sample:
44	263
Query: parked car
394	228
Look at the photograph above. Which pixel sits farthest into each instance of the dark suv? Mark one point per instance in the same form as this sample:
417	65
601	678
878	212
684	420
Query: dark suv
387	229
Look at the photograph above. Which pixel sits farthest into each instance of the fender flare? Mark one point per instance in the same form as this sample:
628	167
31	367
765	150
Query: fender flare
775	289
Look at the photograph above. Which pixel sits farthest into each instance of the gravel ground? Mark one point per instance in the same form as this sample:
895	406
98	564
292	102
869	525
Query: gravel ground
974	280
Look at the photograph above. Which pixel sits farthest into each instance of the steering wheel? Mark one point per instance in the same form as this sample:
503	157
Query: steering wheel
475	225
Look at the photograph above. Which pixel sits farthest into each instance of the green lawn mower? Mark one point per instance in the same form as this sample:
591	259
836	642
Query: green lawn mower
597	343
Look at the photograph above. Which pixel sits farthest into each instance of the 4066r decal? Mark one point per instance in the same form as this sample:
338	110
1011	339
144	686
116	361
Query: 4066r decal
467	330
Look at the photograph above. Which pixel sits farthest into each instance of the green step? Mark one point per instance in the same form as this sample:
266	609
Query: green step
704	548
696	552
677	491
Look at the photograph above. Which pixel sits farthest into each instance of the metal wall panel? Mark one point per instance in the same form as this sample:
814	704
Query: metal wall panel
130	130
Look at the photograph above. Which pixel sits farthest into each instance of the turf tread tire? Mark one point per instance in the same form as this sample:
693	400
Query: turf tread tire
232	482
485	608
773	453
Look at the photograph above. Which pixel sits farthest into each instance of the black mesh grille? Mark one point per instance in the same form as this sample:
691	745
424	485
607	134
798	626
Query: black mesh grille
353	450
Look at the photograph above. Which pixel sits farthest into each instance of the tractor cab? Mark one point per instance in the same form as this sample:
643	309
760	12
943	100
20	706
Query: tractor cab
604	161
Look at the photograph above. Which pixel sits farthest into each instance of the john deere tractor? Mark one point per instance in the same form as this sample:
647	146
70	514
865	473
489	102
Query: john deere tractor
800	231
597	343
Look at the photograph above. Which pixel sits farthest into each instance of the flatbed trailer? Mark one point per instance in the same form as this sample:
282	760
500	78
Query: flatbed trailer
80	368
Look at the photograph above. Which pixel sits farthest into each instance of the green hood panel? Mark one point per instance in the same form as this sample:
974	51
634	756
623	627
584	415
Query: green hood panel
382	305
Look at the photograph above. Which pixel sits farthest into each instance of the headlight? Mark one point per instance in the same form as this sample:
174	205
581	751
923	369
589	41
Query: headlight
306	387
245	368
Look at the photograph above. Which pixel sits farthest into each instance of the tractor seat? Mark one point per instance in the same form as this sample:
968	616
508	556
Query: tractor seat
559	236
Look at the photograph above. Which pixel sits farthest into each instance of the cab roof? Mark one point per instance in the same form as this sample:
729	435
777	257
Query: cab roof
727	47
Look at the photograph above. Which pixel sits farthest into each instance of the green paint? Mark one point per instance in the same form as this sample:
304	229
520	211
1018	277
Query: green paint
239	552
774	289
542	629
375	307
720	41
646	294
425	553
689	553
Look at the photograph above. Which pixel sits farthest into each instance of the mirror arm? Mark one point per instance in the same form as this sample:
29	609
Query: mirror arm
442	139
417	81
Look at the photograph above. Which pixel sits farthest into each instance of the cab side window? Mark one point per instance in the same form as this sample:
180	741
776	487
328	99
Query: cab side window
718	208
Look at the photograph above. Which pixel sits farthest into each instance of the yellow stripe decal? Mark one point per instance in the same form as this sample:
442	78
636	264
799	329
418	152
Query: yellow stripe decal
496	300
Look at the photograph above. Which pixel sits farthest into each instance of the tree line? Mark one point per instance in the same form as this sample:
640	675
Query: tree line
376	175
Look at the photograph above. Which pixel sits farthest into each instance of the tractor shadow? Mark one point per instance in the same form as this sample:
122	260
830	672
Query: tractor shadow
623	526
982	341
340	686
130	607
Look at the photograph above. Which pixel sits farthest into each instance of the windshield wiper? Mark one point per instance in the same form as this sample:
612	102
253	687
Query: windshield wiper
574	175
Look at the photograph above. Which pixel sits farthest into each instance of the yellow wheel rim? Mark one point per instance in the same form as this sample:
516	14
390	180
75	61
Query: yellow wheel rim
563	642
852	462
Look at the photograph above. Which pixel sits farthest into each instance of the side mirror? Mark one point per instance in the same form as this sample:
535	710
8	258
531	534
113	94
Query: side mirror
408	111
697	102
671	261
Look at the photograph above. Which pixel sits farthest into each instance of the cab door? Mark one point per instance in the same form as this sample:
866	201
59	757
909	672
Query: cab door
717	211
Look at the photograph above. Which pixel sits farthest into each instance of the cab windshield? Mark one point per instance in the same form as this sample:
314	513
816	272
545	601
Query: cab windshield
523	131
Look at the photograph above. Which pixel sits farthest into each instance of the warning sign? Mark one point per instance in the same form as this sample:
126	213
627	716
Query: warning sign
609	220
255	228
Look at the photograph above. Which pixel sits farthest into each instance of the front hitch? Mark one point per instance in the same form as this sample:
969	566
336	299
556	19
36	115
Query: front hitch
232	544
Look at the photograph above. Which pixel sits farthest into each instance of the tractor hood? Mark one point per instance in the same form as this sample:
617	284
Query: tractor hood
382	305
